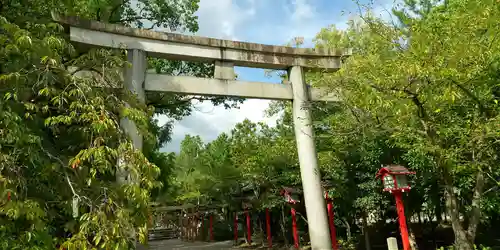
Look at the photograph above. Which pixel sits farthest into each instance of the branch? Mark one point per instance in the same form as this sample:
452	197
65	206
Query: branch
132	19
421	110
199	98
98	14
353	112
489	190
469	93
89	201
413	96
113	11
302	217
492	178
154	24
62	163
52	156
422	114
71	186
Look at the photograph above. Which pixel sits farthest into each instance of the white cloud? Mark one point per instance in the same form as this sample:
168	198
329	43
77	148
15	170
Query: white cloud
302	10
208	121
383	9
221	18
304	20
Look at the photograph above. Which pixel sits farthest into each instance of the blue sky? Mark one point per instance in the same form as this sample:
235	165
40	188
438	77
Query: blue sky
273	22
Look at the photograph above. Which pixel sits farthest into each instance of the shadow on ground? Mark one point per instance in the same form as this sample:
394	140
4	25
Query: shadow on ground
221	245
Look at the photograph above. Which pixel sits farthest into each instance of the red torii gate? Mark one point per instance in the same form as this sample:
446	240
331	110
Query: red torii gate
247	206
329	202
189	217
292	197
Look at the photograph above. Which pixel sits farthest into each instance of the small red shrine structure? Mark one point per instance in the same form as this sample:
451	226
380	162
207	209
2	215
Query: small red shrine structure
394	178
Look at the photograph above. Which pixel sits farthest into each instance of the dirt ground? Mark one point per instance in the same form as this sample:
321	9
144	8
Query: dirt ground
221	245
178	244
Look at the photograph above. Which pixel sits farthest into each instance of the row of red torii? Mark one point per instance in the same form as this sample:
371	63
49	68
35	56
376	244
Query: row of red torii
291	196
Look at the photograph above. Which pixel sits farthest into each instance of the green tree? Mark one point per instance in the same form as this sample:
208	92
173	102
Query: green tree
60	143
433	88
60	136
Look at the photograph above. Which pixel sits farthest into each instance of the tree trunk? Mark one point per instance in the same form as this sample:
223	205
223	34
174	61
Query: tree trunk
433	232
348	229
438	211
261	230
283	225
365	233
475	213
413	241
461	239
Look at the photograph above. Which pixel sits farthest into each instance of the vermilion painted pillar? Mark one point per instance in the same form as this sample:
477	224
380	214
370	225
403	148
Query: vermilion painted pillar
235	228
333	231
249	230
268	227
294	227
402	220
211	227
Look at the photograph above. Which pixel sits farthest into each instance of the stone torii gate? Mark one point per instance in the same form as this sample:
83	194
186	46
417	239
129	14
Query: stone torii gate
226	54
